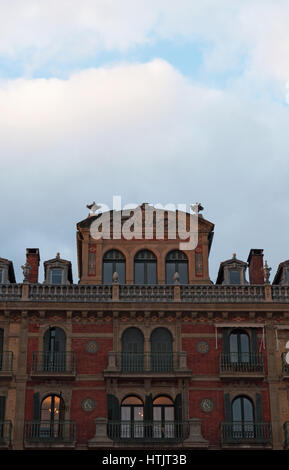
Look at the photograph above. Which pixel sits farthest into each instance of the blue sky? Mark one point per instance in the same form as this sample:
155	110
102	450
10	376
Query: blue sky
151	100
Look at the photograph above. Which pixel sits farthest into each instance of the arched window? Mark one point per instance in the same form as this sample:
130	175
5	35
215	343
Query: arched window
163	417
243	418
177	262
113	262
132	357
145	268
132	414
52	417
161	350
239	344
54	350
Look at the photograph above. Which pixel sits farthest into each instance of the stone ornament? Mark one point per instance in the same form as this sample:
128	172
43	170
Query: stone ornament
203	347
91	347
207	405
88	404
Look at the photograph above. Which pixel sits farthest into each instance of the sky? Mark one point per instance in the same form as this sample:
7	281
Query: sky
155	101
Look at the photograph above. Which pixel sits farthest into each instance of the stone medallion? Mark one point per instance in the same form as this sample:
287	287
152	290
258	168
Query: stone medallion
202	347
88	404
207	405
91	347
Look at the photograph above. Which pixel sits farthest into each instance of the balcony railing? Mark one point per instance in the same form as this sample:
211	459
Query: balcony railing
220	293
53	363
50	432
148	431
246	432
70	293
10	292
241	363
6	361
5	433
210	293
147	362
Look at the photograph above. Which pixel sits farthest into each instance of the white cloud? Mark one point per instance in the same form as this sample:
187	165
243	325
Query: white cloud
42	30
145	132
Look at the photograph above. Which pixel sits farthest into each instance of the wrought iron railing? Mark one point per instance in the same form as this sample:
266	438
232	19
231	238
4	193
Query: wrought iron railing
241	362
148	431
6	361
152	362
239	432
47	362
50	431
5	432
10	292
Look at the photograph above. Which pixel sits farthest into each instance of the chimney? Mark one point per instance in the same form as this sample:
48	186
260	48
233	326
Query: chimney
33	259
255	261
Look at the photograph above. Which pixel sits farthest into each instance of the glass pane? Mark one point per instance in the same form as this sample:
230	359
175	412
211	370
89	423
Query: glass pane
237	410
1	276
234	347
151	273
245	348
183	272
248	410
138	413
170	272
120	269
169	413
107	273
56	276
234	277
157	414
125	413
139	273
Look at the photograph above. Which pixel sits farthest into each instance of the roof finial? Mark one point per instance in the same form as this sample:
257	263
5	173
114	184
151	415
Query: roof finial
196	207
57	255
93	208
234	256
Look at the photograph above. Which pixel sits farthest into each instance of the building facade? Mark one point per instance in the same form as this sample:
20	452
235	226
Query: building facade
144	351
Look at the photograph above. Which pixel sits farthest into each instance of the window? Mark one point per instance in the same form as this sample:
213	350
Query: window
176	262
54	350
51	417
145	268
161	350
1	276
132	414
239	346
113	262
163	417
1	347
132	358
56	275
287	275
234	276
243	418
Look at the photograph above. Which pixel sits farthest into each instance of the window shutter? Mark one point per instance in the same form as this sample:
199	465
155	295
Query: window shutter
2	408
254	340
148	408
227	407
225	340
178	408
113	409
36	406
259	408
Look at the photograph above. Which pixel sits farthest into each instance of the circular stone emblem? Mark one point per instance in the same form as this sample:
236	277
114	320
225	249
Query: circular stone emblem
202	347
88	404
207	405
91	346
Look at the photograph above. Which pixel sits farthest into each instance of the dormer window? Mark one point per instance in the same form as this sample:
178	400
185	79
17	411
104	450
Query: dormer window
234	276
1	276
287	275
56	276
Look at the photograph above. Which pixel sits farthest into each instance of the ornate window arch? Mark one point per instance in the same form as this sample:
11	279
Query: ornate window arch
145	267
177	262
243	417
161	350
113	261
54	350
132	356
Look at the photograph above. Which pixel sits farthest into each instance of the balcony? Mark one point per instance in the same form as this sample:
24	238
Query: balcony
147	364
5	434
220	293
50	434
10	292
247	365
70	293
148	431
245	434
53	365
6	364
145	293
